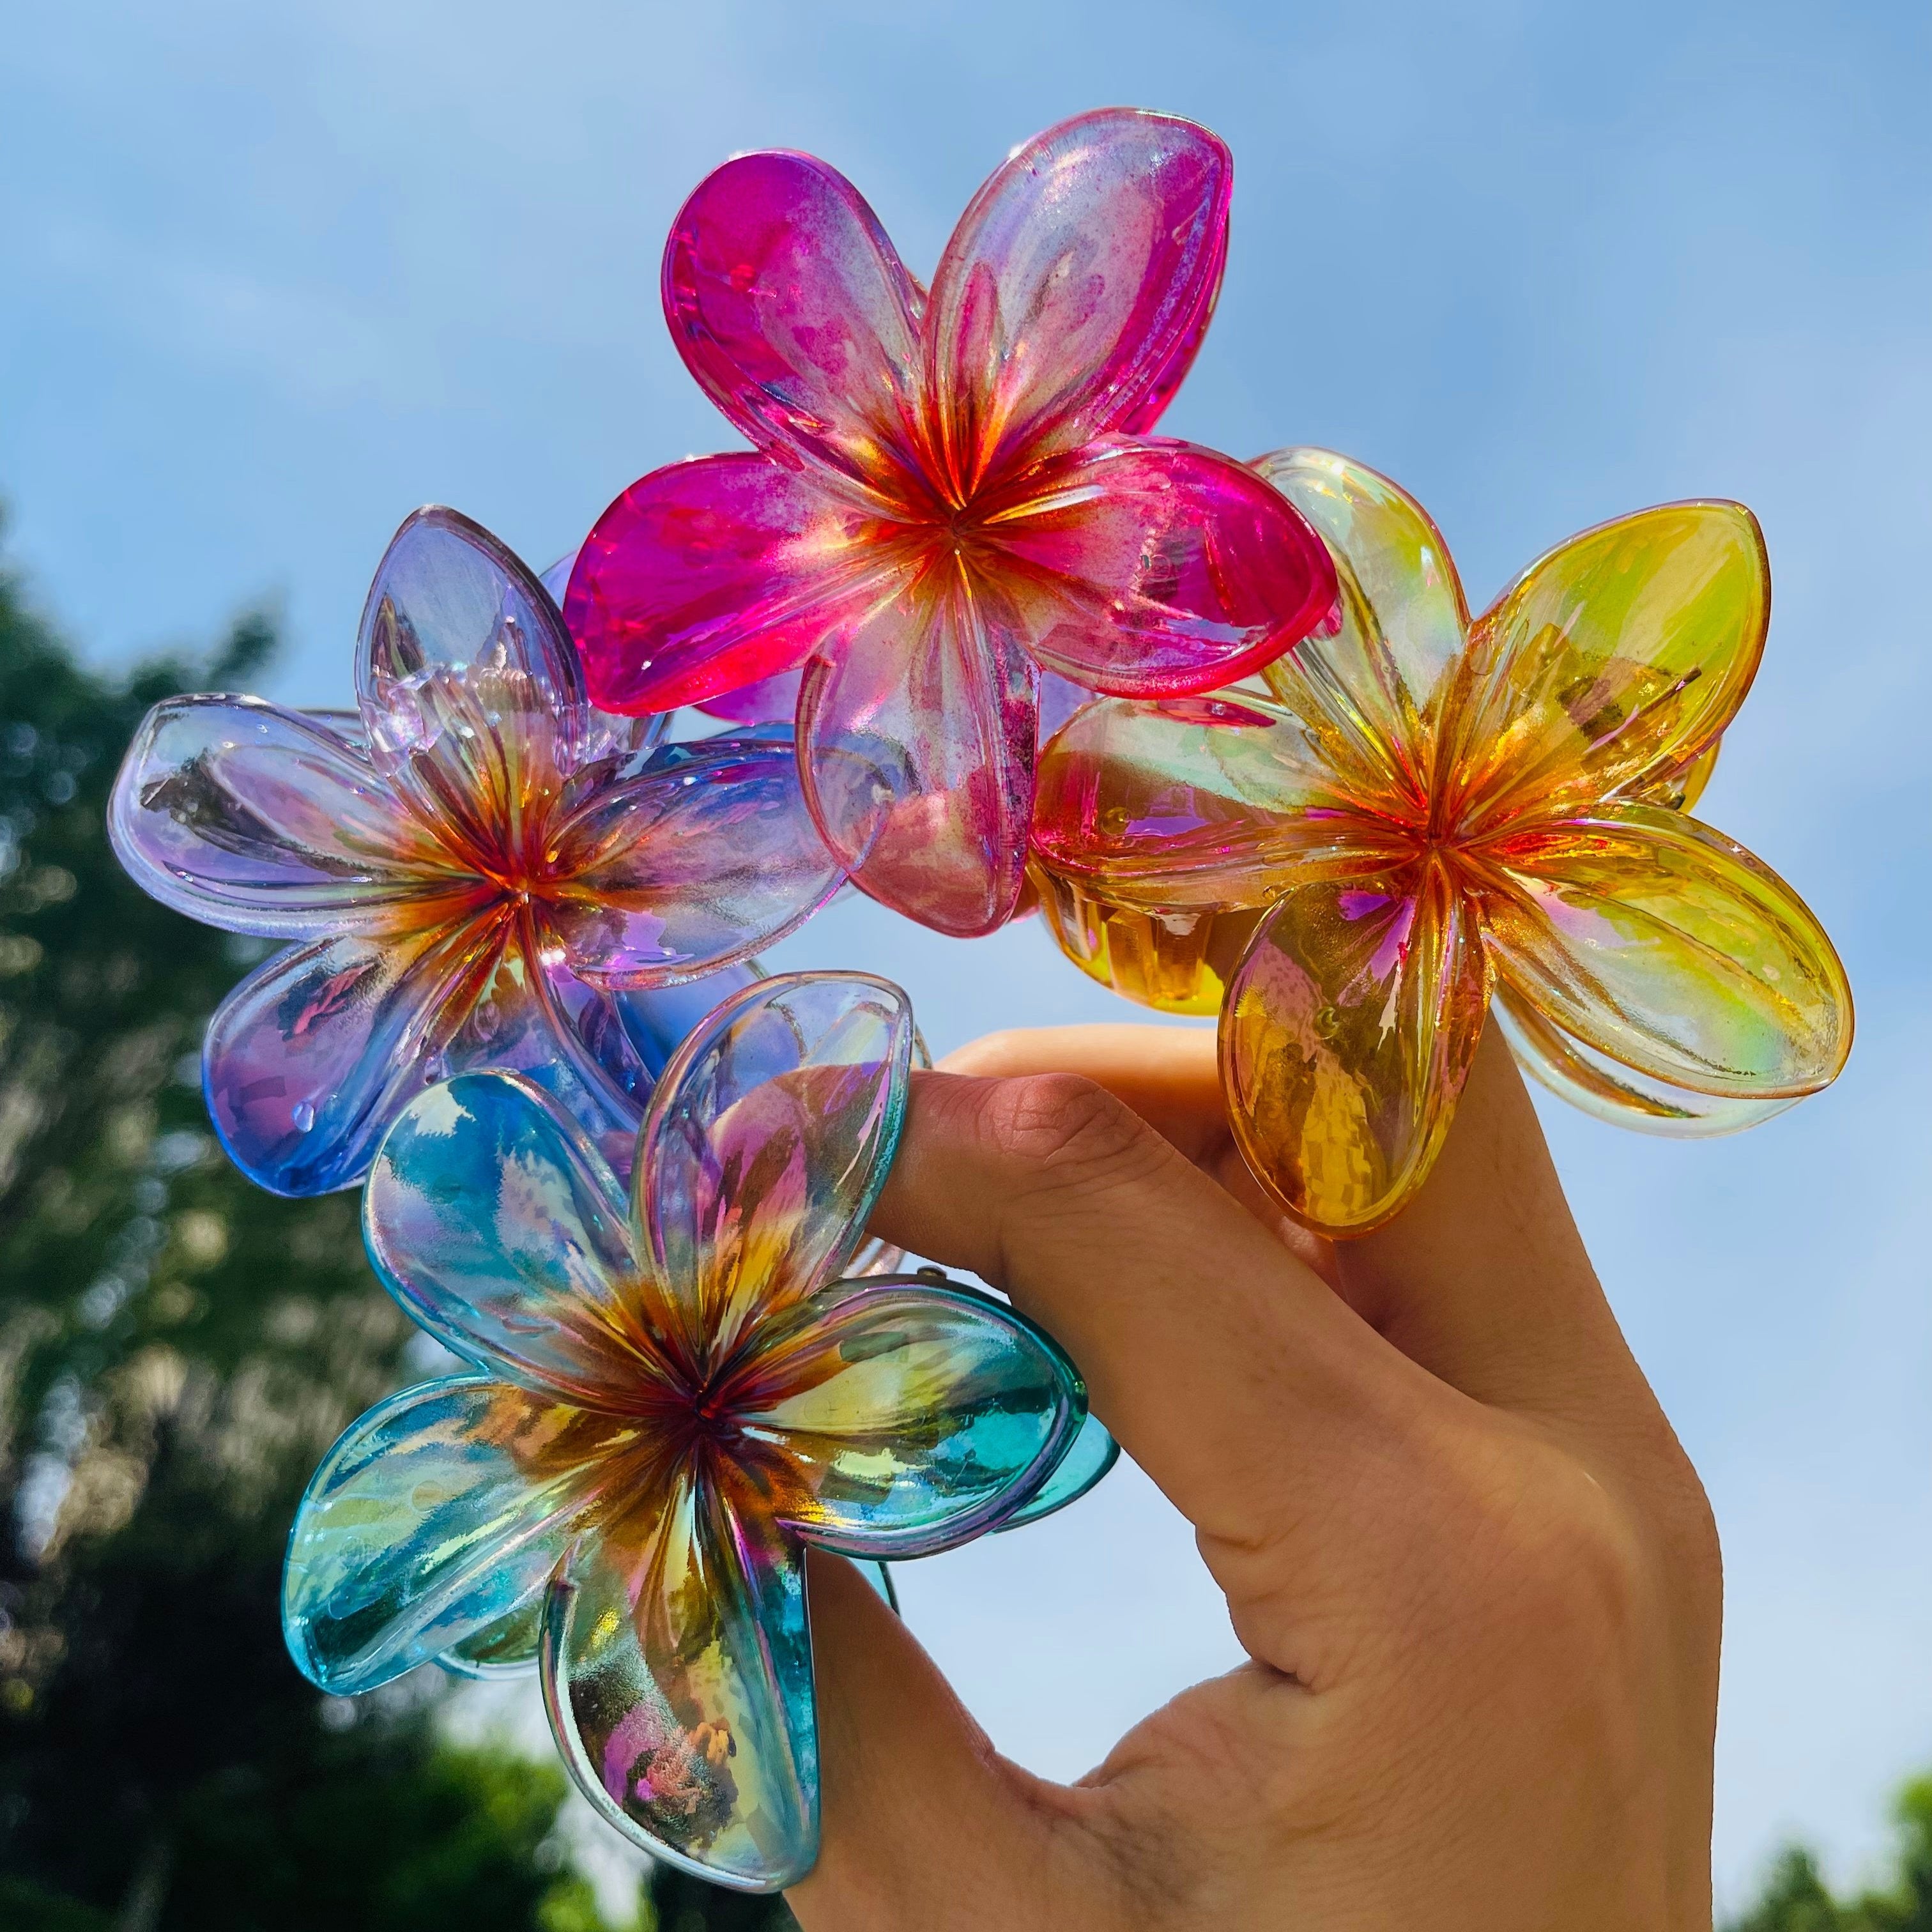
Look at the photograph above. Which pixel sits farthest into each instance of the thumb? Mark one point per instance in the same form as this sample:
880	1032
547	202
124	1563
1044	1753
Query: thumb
923	1822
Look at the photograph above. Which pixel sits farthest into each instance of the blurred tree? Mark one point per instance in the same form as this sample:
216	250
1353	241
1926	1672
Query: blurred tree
1796	1900
674	1902
176	1350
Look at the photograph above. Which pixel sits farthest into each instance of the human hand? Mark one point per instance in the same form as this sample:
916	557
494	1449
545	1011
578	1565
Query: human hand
1476	1577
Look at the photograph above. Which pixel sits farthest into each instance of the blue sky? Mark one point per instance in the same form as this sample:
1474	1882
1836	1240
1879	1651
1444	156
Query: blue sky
277	274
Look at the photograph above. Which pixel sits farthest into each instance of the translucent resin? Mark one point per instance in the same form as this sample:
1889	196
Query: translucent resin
952	493
477	870
676	1389
1431	810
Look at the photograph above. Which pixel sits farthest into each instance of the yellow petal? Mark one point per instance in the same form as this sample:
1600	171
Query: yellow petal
1670	948
1177	962
1199	803
1679	788
1348	1032
1619	656
1375	689
1575	1071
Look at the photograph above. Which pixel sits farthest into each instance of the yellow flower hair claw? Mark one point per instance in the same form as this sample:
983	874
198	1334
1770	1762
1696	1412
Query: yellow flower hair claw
1435	816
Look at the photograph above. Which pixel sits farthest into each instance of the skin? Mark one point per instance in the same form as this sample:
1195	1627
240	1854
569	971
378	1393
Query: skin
1475	1575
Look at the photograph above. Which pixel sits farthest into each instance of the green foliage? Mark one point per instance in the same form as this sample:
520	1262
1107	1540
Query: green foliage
1795	1898
372	1828
176	1350
676	1903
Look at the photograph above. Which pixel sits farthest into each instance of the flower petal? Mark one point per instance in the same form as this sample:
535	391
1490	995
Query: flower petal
1664	945
1620	655
491	1218
657	1020
1348	1032
535	1017
510	1647
1375	687
1159	830
433	1517
1177	962
766	1144
1076	289
606	733
706	855
1149	568
1575	1071
468	683
1193	803
507	1648
1090	1456
1676	788
709	575
773	700
677	1671
797	317
306	1061
917	737
245	816
1059	699
913	1417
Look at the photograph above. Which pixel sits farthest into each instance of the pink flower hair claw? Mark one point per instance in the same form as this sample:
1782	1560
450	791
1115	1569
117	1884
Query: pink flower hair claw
478	870
950	493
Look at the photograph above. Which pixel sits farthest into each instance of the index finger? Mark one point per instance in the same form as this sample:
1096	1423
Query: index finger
1483	1279
1169	1076
1221	1363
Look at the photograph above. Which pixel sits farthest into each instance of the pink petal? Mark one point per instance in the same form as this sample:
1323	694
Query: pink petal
793	311
1157	569
1075	291
917	740
707	576
258	820
697	863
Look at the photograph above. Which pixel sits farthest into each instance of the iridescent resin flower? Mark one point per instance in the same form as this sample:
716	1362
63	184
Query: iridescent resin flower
478	871
675	1393
1437	810
951	492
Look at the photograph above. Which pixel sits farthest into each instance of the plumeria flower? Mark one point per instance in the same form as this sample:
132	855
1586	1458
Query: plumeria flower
1436	813
951	493
674	1394
477	870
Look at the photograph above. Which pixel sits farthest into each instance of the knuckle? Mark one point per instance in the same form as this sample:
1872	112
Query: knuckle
1567	1568
1685	1528
1066	1130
